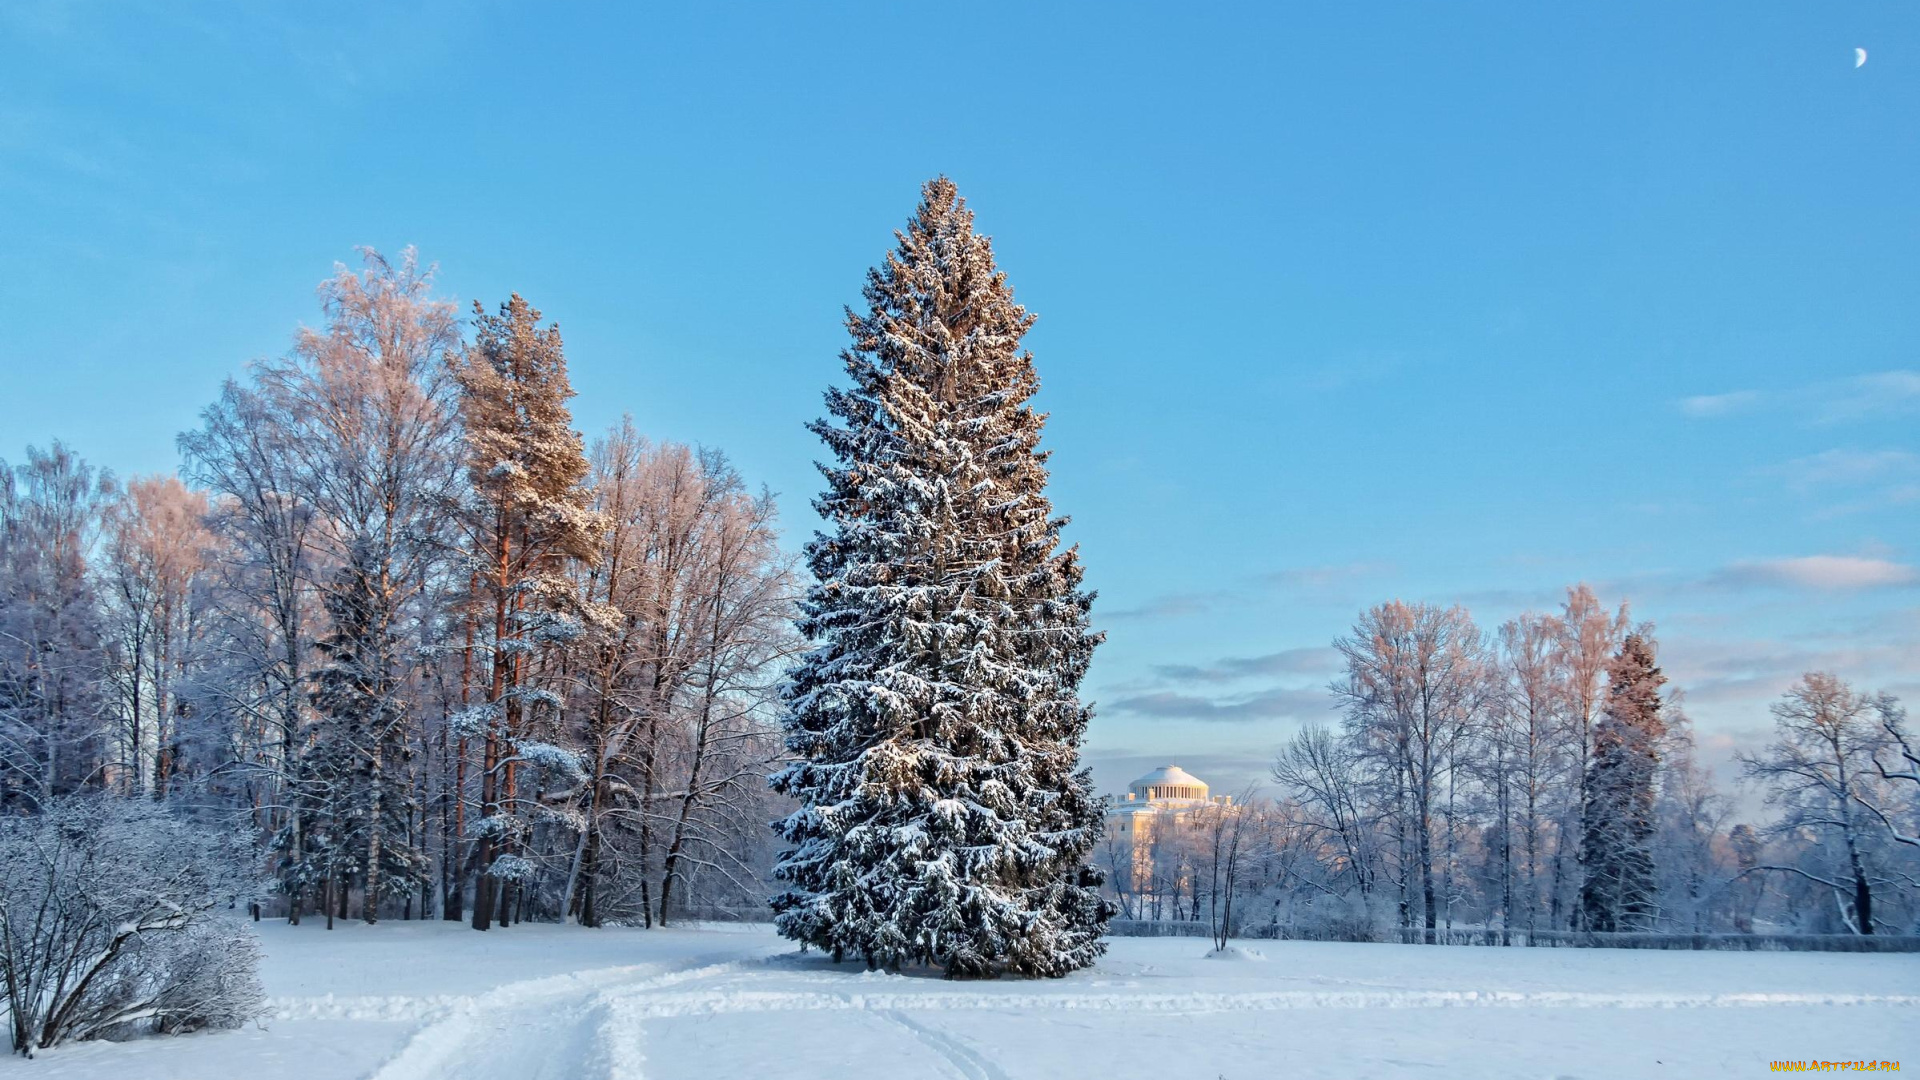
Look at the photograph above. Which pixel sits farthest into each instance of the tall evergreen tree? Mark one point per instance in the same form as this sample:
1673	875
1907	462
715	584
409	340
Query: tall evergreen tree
530	519
944	816
361	744
1617	795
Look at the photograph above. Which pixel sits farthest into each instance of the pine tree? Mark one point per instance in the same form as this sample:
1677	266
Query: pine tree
944	818
1617	795
530	519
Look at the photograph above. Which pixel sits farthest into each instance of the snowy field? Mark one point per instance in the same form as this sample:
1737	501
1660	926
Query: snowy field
405	1001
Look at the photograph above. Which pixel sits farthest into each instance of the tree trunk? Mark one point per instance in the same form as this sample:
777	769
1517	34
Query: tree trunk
670	871
370	900
453	803
1862	891
1424	844
589	914
483	893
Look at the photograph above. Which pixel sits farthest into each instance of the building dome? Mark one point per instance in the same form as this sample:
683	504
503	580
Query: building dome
1168	782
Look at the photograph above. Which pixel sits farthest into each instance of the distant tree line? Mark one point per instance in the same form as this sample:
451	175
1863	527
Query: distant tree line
1543	778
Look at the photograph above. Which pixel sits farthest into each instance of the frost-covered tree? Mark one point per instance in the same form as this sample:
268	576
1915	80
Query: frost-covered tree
1529	740
1821	772
1324	773
256	688
1690	844
529	520
1232	831
374	437
691	601
362	736
1901	771
944	815
1417	681
53	662
1587	638
158	548
1617	795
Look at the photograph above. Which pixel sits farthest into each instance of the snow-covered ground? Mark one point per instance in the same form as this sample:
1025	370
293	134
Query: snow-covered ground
405	1001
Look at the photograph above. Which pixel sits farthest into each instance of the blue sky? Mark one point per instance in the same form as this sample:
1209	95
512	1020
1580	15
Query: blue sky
1337	302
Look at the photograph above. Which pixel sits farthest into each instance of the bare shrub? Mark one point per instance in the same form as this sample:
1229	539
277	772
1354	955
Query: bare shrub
113	923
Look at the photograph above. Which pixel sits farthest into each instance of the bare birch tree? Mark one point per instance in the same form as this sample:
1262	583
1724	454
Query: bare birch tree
158	551
1416	680
696	601
374	440
1817	770
1588	638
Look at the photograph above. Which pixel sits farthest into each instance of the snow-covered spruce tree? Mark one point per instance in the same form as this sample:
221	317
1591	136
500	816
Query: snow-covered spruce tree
359	743
1617	795
944	818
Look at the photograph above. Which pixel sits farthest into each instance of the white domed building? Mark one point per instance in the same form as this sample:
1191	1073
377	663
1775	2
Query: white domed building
1156	801
1167	787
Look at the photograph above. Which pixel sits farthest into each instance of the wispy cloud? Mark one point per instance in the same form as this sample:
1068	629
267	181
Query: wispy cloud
1170	606
1323	581
1304	661
1867	570
1848	468
1276	703
1882	394
1324	577
1852	481
1750	673
1704	405
1821	572
1834	401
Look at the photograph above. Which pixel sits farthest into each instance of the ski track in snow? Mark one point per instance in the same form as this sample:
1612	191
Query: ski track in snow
592	1023
555	1028
968	1062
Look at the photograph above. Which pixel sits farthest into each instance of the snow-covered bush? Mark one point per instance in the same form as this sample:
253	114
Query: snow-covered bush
1340	921
114	921
206	975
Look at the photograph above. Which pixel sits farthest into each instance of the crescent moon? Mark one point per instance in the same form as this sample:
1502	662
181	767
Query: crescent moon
1859	57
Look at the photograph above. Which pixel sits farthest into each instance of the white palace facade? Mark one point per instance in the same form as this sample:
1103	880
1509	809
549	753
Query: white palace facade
1154	802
